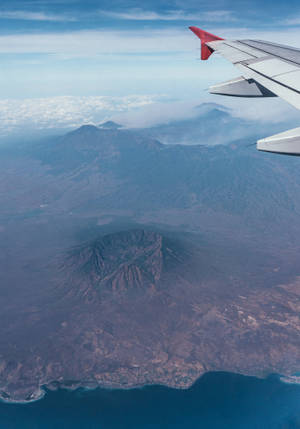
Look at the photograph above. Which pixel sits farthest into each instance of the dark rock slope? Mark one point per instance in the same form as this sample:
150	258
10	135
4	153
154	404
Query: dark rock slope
128	260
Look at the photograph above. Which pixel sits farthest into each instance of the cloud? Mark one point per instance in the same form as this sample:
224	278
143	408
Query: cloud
269	111
295	20
124	75
157	113
33	16
217	16
173	15
64	112
47	115
96	42
114	42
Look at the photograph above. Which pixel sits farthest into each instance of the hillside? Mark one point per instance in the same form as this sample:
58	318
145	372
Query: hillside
125	261
122	261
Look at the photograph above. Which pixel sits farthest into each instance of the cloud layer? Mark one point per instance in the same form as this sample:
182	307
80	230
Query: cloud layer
63	112
41	115
24	15
172	15
97	42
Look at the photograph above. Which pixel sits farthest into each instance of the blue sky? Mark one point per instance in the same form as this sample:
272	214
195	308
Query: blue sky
116	48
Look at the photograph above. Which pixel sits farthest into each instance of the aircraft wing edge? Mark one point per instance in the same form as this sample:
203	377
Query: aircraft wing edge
286	143
264	74
205	38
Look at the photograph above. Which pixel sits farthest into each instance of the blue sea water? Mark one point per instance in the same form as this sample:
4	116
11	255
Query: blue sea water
216	401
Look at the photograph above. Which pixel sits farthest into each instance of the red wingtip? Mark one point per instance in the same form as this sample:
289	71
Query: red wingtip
205	37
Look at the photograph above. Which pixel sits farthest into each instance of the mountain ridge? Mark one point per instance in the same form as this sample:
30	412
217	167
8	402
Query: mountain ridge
210	278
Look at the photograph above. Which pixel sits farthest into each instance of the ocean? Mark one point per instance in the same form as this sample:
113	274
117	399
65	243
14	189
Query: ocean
217	400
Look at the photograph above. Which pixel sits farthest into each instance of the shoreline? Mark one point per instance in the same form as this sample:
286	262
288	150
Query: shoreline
54	386
36	396
291	379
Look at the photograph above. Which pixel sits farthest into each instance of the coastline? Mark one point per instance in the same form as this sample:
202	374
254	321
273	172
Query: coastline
35	396
218	399
73	386
291	379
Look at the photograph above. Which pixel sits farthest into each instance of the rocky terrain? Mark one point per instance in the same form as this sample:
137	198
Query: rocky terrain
136	307
126	262
122	261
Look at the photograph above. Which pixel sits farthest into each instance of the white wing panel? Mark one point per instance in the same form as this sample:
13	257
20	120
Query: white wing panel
268	70
232	48
273	67
286	143
256	53
285	93
276	73
290	79
233	55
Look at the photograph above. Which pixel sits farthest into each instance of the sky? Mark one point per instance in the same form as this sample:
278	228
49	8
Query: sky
73	61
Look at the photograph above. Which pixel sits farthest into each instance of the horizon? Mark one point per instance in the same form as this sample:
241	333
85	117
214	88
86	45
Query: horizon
66	64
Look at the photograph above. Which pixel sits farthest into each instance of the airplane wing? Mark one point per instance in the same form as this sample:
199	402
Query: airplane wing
267	70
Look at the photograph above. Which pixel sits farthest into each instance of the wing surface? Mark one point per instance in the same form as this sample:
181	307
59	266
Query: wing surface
267	69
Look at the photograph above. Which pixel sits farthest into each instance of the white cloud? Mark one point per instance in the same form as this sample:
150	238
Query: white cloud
268	110
41	115
217	16
88	43
33	16
293	20
158	113
173	15
109	42
64	112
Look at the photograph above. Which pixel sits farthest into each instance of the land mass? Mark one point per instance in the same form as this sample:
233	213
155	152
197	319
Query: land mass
127	262
137	307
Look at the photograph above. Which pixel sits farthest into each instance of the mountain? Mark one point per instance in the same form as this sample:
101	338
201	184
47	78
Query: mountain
125	261
134	259
110	125
136	307
213	124
121	173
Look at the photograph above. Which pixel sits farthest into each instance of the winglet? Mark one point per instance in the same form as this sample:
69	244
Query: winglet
205	37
